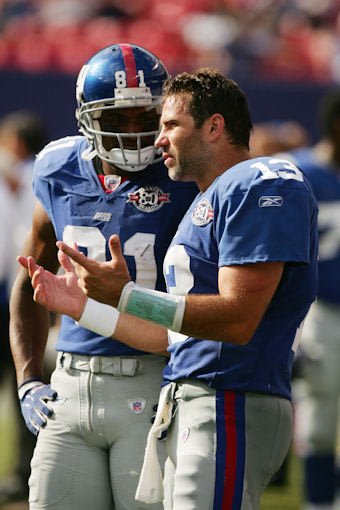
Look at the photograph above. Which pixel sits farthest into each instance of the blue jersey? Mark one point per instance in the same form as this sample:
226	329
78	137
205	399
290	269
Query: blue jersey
144	211
325	181
257	211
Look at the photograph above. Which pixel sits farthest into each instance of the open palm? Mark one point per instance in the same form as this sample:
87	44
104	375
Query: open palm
58	293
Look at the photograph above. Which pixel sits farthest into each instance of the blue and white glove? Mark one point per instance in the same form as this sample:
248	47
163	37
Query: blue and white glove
33	396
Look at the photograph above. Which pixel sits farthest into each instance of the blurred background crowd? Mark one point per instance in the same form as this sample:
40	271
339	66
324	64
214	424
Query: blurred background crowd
278	40
285	54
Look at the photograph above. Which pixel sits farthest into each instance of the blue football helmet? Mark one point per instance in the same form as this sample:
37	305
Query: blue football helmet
120	76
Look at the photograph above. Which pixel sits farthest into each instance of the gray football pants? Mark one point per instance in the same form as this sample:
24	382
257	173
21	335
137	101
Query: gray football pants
223	447
89	455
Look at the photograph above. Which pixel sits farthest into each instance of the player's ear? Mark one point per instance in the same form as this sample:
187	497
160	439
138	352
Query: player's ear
216	126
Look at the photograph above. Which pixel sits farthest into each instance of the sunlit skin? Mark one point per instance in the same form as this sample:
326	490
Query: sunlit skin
127	120
195	154
184	153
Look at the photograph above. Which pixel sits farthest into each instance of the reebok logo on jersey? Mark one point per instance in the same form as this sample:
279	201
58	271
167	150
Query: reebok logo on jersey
203	213
270	201
102	216
149	198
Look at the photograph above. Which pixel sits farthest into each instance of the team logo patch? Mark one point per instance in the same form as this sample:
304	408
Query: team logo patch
149	198
111	182
270	201
137	405
203	213
102	216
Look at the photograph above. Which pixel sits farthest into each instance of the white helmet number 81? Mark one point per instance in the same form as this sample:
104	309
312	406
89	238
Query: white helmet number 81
120	77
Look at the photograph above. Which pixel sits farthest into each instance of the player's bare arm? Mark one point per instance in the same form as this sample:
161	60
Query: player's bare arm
245	292
61	294
231	316
30	321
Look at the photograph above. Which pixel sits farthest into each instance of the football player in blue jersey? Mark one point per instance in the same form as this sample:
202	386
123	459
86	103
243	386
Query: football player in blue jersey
317	391
92	420
241	275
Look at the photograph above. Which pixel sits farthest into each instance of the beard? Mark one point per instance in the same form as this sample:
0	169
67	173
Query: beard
190	164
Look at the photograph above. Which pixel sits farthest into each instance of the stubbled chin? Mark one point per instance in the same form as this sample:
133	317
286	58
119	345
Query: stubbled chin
173	174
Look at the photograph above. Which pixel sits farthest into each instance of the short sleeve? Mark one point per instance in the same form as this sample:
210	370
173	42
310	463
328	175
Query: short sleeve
265	223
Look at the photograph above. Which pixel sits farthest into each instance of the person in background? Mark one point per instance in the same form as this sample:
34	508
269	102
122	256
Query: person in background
92	420
267	139
22	136
271	137
317	392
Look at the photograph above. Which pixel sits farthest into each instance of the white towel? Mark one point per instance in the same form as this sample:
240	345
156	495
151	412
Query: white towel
150	485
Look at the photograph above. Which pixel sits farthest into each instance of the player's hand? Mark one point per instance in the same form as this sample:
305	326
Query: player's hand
59	294
33	403
101	281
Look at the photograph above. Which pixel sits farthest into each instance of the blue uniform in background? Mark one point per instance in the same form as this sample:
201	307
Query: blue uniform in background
318	385
325	182
233	421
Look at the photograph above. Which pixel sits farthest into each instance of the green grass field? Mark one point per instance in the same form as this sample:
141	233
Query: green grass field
7	433
288	497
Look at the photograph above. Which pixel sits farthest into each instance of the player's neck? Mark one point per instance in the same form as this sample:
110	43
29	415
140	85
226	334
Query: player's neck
220	164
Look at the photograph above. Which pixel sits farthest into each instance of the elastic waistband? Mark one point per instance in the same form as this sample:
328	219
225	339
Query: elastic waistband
114	365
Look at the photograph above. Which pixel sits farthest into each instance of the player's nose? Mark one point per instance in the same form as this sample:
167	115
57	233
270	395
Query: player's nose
161	139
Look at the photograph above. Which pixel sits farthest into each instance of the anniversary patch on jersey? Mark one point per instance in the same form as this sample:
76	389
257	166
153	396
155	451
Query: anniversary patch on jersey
149	198
270	201
203	213
137	405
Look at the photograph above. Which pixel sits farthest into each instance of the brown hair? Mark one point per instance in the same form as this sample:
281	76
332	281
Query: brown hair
212	93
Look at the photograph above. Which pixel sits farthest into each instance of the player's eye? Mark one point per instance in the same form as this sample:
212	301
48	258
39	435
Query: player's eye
111	126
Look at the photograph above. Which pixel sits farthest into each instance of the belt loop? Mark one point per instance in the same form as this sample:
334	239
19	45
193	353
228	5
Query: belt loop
129	366
120	368
66	361
95	365
59	361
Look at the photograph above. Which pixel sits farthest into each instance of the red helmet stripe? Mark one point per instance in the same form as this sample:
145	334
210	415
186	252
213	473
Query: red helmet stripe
130	65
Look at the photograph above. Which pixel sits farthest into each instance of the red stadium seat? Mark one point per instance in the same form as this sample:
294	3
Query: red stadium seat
103	32
71	54
32	53
5	53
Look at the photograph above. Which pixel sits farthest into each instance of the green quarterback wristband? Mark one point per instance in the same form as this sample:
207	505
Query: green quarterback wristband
166	310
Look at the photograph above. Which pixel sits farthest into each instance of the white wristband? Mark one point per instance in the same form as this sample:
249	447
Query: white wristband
99	318
164	309
25	387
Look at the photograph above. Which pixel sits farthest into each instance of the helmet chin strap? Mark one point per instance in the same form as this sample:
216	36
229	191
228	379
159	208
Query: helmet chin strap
115	157
89	153
132	160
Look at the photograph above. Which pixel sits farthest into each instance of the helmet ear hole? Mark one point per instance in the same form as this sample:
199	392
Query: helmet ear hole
120	76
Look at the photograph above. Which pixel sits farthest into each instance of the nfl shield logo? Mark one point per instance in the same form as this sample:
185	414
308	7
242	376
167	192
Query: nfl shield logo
137	405
112	182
